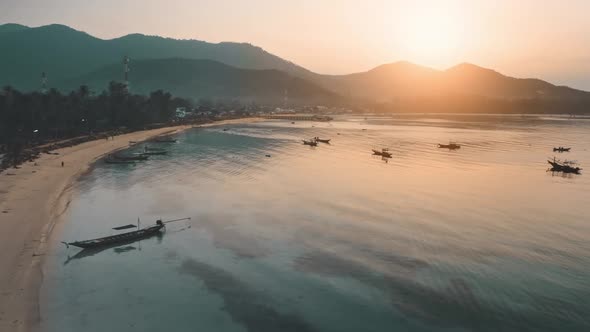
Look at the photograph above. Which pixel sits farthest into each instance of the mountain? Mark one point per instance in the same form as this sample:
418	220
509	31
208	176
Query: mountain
12	27
476	80
207	78
237	70
383	82
64	53
407	80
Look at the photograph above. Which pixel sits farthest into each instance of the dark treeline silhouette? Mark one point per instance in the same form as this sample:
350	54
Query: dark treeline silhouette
28	119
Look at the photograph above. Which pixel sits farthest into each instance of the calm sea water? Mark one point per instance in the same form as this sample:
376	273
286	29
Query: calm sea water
335	239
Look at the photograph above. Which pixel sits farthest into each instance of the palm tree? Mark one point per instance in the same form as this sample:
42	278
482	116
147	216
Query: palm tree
83	91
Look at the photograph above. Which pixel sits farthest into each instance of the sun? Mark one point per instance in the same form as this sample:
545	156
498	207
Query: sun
429	36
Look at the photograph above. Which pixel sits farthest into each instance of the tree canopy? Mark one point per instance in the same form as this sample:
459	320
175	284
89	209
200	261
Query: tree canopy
39	116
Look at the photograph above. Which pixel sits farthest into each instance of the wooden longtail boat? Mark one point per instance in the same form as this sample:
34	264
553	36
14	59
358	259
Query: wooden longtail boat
327	141
384	153
564	167
310	143
450	146
124	237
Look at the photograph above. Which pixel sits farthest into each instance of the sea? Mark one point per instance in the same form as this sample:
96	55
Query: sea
288	237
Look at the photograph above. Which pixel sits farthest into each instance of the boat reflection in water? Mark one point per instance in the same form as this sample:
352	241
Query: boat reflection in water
118	248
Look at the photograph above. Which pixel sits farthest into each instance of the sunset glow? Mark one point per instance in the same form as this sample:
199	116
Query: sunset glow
524	38
430	35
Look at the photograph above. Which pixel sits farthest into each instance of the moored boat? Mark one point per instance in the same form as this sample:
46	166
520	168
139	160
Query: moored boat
310	142
561	149
384	153
109	240
317	139
124	237
450	146
563	166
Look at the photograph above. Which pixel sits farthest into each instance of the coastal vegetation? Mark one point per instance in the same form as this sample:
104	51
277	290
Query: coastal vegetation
35	118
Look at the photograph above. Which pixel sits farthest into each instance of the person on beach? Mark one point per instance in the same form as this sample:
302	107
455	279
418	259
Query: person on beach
62	164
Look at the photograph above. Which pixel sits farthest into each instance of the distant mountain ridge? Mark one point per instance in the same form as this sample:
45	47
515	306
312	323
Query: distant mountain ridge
65	53
239	70
11	27
209	79
407	80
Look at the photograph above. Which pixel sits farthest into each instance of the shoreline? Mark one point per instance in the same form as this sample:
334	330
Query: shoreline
32	201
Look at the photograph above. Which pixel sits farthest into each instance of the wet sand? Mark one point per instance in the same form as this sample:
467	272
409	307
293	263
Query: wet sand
32	199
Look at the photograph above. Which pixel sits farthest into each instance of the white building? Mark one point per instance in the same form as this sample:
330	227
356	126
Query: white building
181	112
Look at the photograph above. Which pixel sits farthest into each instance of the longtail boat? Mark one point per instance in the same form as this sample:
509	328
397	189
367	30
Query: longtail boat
563	166
384	153
310	143
317	139
124	237
450	146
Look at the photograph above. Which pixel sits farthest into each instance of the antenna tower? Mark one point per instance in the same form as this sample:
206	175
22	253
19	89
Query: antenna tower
126	64
43	82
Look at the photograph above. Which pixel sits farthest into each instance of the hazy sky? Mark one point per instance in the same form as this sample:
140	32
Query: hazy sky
524	38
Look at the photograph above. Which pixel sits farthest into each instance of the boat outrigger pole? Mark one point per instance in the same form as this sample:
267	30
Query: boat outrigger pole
173	220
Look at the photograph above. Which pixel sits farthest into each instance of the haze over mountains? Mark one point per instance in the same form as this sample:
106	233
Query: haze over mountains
195	69
207	78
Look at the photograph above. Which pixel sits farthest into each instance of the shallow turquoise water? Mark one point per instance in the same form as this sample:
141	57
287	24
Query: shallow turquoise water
332	238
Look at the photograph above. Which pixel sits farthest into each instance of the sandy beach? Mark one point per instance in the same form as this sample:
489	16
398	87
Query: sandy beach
32	199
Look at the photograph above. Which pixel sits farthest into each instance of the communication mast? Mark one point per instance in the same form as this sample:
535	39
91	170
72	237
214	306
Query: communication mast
43	83
126	64
286	98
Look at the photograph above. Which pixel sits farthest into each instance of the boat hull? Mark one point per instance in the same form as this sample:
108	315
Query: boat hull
449	146
382	153
557	167
120	238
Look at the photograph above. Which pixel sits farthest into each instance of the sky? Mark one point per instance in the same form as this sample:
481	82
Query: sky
546	39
